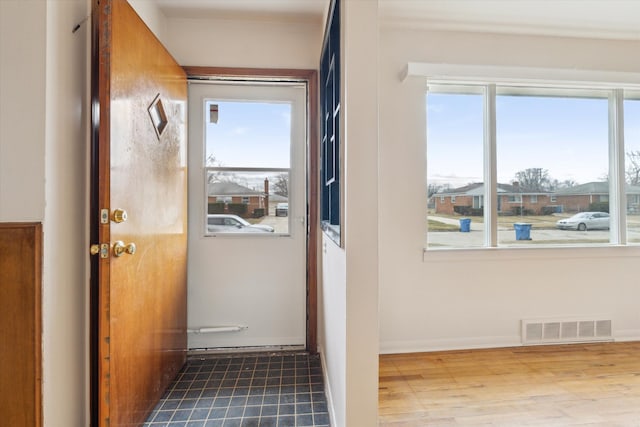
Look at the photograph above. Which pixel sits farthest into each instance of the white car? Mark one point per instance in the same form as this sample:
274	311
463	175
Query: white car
223	223
585	221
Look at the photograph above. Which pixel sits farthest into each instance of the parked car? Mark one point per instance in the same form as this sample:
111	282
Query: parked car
222	223
585	221
282	209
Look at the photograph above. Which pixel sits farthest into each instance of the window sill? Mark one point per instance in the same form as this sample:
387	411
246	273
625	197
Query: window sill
332	231
526	253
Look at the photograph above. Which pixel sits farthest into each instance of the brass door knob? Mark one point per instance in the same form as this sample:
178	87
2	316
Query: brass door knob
119	215
119	248
130	248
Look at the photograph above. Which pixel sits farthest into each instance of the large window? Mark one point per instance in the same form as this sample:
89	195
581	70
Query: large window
548	159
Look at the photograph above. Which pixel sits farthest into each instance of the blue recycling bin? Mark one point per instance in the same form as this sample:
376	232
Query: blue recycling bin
465	225
523	230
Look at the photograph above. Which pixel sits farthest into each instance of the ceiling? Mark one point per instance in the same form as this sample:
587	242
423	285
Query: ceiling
577	18
617	19
247	9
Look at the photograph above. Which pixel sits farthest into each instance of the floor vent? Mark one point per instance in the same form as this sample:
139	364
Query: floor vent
561	331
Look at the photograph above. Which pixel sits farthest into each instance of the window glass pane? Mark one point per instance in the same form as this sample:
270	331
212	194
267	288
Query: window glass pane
248	134
248	154
552	163
632	166
247	202
455	189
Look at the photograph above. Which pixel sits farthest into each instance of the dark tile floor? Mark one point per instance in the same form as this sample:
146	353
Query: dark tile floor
247	390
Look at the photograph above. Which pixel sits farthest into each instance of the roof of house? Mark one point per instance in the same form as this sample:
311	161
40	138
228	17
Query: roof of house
477	189
231	189
277	198
595	187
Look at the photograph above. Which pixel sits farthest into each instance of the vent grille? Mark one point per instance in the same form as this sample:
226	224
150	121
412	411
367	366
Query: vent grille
560	331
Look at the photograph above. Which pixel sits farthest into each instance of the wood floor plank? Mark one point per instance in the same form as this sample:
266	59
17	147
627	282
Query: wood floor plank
565	385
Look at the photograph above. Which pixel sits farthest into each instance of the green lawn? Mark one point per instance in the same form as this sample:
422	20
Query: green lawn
539	222
440	226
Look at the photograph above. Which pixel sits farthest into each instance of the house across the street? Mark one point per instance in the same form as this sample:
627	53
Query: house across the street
230	197
512	199
469	200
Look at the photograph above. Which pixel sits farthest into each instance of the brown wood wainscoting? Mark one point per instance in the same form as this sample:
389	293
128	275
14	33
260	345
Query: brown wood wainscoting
20	324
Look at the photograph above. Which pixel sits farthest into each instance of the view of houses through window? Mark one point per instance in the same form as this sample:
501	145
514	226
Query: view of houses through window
248	151
551	155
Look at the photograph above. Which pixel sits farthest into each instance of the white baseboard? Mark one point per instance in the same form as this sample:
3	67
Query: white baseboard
626	335
327	387
417	346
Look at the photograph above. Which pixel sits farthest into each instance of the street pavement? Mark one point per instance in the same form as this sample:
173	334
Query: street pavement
507	236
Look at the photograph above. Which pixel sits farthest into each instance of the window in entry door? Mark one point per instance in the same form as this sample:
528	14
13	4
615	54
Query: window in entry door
247	167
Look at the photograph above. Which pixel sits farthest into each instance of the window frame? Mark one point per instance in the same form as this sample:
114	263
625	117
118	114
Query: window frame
330	76
617	196
297	93
514	198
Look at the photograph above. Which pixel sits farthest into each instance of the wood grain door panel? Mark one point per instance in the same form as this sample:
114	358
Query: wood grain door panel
20	324
141	297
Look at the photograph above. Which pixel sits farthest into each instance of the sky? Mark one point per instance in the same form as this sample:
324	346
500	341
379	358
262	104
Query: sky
250	134
566	136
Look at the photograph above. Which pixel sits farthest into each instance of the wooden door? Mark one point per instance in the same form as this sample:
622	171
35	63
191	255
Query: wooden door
139	167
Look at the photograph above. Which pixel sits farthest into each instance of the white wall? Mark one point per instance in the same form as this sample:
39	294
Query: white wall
43	147
65	269
152	16
361	227
332	327
237	43
22	109
466	299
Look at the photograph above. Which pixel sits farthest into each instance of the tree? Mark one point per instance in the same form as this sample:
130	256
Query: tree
533	179
217	175
633	168
556	184
433	189
281	184
604	177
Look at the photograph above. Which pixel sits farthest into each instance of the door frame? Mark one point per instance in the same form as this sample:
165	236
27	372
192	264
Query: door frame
310	79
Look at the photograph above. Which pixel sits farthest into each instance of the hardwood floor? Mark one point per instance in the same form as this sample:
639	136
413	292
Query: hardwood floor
564	385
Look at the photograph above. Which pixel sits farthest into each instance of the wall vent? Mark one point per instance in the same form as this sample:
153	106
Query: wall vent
555	331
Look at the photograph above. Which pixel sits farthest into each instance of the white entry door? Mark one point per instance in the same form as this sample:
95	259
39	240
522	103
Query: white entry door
247	215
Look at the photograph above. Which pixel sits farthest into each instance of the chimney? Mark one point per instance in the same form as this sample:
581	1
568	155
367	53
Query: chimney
516	185
266	196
